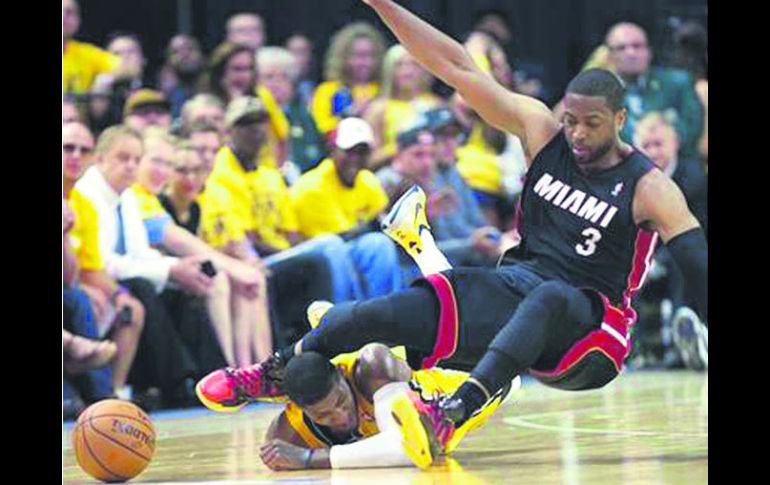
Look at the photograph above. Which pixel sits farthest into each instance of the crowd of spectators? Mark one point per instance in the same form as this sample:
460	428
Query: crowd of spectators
205	208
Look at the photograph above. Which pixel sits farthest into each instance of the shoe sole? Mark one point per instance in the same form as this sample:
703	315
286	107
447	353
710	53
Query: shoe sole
213	405
389	227
414	437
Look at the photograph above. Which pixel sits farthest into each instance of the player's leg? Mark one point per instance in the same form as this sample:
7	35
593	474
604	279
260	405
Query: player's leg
543	327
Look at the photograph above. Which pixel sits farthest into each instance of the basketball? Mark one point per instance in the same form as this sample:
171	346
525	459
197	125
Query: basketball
113	440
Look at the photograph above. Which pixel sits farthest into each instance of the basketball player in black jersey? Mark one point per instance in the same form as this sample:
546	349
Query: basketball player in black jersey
559	304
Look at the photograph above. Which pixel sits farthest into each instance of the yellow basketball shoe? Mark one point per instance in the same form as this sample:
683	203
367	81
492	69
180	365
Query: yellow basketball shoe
482	415
425	430
406	221
316	311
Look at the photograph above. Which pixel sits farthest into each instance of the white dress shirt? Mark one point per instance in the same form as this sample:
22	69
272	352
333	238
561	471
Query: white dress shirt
140	260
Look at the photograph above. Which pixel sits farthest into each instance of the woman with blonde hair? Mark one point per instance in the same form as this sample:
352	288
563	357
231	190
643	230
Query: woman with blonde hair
405	94
351	72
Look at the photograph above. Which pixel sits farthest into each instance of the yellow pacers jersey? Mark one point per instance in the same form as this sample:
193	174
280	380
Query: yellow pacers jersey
325	206
426	382
400	114
478	164
84	235
322	104
219	226
81	63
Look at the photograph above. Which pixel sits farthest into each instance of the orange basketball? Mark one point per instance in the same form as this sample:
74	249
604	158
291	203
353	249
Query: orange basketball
113	440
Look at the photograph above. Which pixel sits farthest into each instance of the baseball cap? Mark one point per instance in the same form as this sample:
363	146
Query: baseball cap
417	132
145	97
440	118
243	107
352	132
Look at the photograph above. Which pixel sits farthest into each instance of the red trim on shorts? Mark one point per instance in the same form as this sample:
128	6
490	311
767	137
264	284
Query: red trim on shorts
615	347
448	321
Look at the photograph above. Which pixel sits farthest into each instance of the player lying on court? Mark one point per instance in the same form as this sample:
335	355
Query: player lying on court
559	304
344	413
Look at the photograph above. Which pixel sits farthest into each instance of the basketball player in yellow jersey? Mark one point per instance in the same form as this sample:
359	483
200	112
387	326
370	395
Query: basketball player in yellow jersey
340	413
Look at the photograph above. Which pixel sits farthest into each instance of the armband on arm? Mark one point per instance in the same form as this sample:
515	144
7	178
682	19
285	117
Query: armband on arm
383	449
690	252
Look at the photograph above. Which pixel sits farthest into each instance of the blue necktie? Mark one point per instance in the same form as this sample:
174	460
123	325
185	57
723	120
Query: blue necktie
120	246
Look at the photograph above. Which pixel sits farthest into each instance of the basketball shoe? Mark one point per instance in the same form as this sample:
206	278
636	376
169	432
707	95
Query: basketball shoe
229	389
691	336
425	429
406	221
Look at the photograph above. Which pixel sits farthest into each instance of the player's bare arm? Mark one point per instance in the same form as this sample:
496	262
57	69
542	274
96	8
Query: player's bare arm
284	449
526	117
661	206
377	366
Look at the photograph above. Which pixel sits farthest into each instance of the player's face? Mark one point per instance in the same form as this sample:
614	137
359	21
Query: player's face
156	165
120	162
591	127
337	410
77	148
350	162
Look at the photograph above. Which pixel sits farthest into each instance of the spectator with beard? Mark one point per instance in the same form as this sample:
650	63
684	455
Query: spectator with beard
178	78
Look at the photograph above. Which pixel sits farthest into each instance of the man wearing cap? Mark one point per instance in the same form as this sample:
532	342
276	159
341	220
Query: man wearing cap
413	163
147	107
341	197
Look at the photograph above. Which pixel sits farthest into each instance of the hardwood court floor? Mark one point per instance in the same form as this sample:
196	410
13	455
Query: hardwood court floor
644	428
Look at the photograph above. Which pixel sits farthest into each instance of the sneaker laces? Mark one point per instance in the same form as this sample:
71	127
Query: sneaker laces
259	380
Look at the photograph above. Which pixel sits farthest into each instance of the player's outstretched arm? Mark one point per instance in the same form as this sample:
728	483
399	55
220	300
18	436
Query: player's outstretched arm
659	204
521	115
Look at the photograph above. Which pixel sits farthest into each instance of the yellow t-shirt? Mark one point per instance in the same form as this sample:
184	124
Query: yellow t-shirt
322	106
81	63
218	224
154	216
426	382
401	114
478	164
279	128
84	235
324	205
261	201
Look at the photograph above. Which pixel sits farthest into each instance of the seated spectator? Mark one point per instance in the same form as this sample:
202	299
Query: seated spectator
82	62
205	108
278	73
232	74
69	110
302	49
406	93
652	88
246	28
235	283
117	315
147	107
341	197
351	75
658	139
179	76
165	358
108	95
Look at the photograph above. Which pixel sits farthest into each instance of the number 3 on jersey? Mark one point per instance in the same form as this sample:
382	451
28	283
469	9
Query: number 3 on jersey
588	247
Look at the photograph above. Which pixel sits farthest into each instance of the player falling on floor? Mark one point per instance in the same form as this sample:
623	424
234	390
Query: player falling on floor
559	304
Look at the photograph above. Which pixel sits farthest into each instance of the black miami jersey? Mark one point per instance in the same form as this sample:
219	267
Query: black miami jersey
579	228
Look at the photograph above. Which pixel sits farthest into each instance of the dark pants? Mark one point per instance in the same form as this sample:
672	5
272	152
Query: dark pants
162	358
487	302
295	283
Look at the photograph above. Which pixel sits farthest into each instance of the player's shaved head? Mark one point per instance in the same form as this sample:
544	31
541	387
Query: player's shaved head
310	377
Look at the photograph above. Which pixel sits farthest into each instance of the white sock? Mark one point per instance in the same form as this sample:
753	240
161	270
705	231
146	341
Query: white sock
431	260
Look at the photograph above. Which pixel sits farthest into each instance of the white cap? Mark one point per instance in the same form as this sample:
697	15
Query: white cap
353	131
